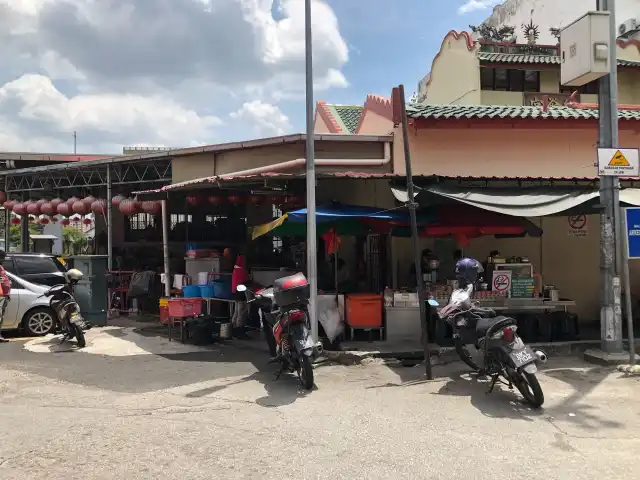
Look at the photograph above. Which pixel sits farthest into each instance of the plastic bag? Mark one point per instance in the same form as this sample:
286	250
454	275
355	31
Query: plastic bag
329	318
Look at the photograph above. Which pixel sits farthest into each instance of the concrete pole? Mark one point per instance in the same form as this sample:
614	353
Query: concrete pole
610	310
312	250
165	249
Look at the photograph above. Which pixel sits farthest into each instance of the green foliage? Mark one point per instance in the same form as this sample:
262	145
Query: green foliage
74	240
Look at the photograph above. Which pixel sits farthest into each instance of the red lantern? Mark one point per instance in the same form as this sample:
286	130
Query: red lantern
3	197
65	222
32	207
72	200
64	209
255	199
54	219
215	199
235	199
193	201
15	221
88	201
76	219
151	207
44	221
47	208
8	205
99	206
115	201
55	202
19	208
41	202
80	208
128	207
87	221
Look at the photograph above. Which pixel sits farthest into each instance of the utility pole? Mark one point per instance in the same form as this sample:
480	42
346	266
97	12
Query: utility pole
414	235
75	142
610	310
312	251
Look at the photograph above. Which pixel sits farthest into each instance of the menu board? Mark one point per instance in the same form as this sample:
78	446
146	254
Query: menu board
522	287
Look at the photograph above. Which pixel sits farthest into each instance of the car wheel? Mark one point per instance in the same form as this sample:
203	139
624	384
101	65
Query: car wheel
39	322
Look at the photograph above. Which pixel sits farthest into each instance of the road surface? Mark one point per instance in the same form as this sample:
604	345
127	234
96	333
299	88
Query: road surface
219	414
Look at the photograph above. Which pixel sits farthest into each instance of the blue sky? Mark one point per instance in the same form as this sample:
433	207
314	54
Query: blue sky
393	42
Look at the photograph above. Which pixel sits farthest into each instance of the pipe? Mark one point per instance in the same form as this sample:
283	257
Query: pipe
165	249
109	220
329	162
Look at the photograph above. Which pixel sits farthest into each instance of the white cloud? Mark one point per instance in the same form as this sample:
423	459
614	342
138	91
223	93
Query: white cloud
170	67
266	119
473	5
32	106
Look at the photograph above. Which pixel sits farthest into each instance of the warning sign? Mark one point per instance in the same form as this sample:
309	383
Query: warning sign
578	226
501	281
619	162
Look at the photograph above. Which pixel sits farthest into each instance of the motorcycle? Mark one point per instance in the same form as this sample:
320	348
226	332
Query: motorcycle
70	321
284	307
505	354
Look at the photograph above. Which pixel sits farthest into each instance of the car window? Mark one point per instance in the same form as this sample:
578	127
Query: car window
30	265
15	285
8	265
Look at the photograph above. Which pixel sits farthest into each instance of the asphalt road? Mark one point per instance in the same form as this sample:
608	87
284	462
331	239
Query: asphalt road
220	414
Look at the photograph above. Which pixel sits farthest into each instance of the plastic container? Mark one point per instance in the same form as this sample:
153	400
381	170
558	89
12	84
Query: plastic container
364	310
191	291
207	291
185	307
221	289
291	290
164	311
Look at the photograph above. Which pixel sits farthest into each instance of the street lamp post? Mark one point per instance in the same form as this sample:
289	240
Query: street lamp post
312	253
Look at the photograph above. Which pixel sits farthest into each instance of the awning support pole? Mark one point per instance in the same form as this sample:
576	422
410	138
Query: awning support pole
414	236
165	248
109	221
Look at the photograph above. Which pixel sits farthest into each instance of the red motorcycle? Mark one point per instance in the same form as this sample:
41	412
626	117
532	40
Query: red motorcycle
284	307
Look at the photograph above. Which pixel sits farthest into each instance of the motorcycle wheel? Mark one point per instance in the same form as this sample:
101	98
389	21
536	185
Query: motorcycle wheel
305	372
529	387
79	334
464	354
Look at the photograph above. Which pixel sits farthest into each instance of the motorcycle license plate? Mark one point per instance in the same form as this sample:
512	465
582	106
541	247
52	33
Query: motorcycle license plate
522	357
75	318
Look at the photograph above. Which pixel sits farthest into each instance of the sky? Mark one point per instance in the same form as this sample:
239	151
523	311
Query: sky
177	73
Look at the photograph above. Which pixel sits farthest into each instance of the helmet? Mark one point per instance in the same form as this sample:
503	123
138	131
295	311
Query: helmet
74	275
467	271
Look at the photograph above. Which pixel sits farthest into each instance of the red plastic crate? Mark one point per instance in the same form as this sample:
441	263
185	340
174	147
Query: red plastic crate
185	307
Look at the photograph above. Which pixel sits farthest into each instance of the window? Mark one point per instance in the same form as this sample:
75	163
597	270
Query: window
176	218
14	284
509	80
500	79
141	221
9	266
30	265
531	81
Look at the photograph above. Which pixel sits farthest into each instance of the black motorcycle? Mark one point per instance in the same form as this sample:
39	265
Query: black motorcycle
505	354
69	319
284	307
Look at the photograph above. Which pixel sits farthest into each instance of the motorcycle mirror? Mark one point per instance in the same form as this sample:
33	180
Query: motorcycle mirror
433	303
242	288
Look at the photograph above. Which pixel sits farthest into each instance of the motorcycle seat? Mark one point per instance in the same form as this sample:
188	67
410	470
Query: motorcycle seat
485	324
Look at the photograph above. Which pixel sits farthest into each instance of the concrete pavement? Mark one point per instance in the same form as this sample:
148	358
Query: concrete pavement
219	414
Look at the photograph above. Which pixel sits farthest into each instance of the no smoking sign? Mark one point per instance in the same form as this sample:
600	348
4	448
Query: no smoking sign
577	225
501	281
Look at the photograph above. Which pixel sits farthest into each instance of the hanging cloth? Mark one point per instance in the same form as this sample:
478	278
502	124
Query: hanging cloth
332	242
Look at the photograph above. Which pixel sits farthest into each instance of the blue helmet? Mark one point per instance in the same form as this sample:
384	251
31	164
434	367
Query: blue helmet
467	271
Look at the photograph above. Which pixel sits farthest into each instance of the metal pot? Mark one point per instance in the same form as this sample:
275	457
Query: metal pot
225	331
434	264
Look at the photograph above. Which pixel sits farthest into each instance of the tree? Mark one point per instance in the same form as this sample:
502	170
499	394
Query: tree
14	233
74	240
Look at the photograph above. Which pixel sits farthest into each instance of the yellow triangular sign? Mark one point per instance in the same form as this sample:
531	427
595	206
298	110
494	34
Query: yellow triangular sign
619	160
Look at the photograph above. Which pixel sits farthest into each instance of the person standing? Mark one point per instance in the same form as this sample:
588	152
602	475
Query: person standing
240	312
5	286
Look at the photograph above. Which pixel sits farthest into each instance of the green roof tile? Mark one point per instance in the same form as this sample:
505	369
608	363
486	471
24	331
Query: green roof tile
348	116
514	58
417	110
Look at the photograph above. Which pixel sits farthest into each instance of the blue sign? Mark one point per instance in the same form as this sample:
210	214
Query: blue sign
632	215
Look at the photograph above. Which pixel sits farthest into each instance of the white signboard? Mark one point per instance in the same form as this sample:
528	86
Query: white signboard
501	281
618	162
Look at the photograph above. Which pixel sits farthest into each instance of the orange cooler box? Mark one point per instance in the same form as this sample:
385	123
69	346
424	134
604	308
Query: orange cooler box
364	310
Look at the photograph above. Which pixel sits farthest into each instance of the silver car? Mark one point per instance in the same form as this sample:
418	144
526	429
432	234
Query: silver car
28	310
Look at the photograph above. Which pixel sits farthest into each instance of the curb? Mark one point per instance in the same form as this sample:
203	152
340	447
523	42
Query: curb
446	354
